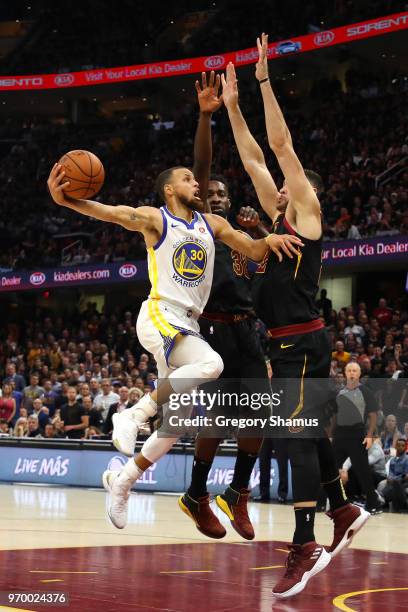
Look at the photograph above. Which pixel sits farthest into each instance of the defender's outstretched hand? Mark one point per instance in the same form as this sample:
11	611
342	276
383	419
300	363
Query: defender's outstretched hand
208	98
284	243
230	86
56	184
261	71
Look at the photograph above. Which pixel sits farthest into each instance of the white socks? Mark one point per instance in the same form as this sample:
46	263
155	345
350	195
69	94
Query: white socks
130	473
145	408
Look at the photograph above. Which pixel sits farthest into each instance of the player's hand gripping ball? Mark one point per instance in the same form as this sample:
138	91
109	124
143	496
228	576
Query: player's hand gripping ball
85	174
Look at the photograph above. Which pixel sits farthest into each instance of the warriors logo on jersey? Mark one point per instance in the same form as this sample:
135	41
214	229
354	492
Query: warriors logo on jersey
190	260
181	264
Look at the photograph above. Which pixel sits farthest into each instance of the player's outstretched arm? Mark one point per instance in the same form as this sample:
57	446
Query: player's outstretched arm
209	101
136	219
249	150
254	249
302	194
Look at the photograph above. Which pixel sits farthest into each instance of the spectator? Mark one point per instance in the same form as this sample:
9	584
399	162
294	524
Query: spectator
92	432
324	305
12	376
21	427
49	431
135	394
353	328
33	430
390	434
382	313
7	404
49	397
395	488
73	416
42	413
340	354
104	400
95	417
4	428
94	387
122	404
31	392
59	431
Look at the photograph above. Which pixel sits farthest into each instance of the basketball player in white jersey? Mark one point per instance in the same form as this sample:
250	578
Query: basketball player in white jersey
180	246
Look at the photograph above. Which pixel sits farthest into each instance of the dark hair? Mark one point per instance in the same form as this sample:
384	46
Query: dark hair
316	180
220	179
163	179
402	440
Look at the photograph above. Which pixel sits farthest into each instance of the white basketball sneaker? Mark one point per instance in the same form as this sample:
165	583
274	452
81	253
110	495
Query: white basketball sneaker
126	425
119	496
125	430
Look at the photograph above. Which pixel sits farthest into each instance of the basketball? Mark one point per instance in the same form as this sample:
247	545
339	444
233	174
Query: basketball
85	173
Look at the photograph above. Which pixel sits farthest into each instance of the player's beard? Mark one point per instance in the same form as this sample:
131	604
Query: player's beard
282	204
192	203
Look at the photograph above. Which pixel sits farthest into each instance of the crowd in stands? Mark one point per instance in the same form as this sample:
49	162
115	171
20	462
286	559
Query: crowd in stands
348	137
62	380
100	358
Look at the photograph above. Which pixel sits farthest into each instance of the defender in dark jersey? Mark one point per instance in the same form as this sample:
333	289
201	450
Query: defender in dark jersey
229	325
284	295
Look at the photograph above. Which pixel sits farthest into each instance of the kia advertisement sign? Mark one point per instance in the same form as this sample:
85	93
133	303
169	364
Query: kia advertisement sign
64	80
367	251
323	38
215	62
73	276
300	44
37	278
128	270
385	249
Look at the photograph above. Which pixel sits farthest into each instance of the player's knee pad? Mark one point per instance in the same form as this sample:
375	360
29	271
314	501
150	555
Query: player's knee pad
304	463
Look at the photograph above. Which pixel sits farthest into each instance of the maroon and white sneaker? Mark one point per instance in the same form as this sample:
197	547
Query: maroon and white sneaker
348	520
304	561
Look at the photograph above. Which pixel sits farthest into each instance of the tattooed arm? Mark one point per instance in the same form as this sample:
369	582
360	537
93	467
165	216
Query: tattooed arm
145	219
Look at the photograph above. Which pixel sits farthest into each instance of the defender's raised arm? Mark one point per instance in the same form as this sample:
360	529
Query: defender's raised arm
303	198
249	150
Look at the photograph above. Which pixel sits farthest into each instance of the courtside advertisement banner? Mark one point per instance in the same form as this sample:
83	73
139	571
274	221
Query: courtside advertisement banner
84	468
390	249
69	276
297	44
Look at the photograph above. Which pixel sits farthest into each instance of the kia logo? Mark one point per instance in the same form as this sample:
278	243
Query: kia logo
215	61
323	38
127	270
64	79
37	278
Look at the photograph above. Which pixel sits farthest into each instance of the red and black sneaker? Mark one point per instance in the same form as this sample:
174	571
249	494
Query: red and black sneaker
348	520
303	562
204	518
235	505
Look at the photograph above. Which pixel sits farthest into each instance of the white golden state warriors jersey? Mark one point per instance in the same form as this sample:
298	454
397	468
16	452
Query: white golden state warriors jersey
181	264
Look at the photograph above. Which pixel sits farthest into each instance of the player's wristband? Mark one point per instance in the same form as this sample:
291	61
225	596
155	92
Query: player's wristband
263	80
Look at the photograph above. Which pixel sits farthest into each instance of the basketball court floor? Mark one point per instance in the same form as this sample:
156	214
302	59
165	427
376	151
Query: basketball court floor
58	540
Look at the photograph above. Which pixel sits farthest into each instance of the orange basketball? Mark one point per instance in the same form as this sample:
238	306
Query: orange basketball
85	173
